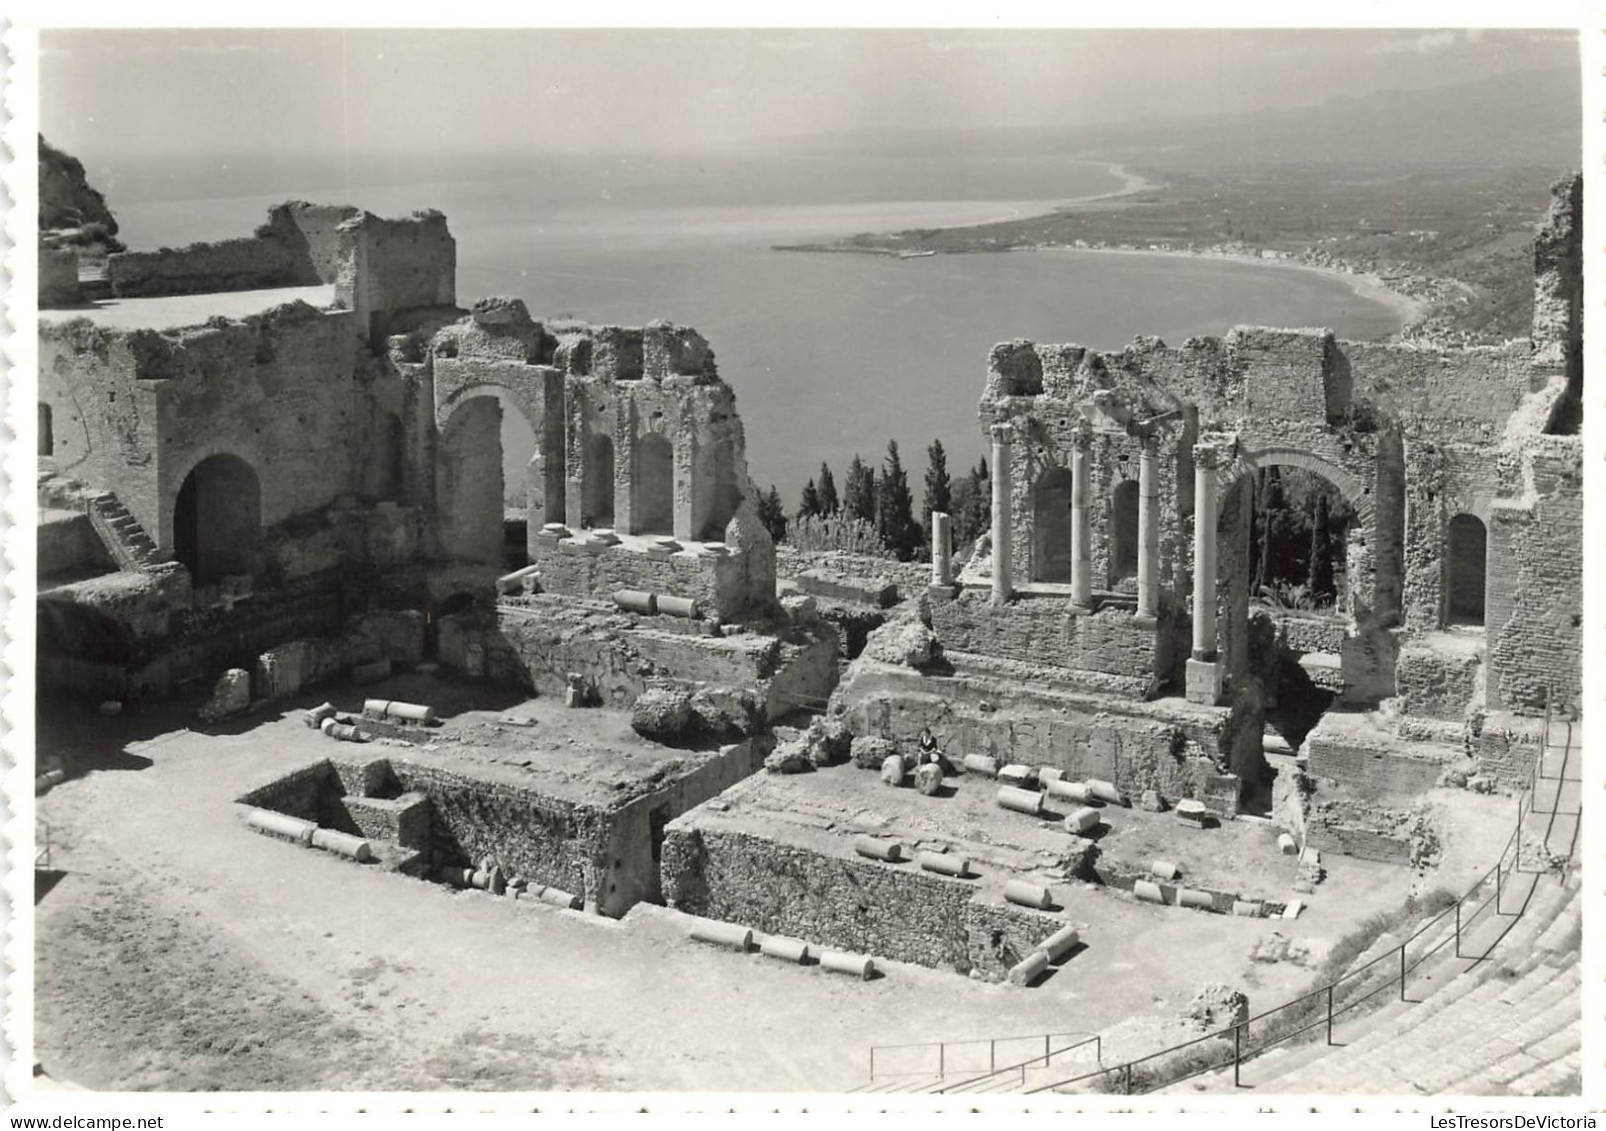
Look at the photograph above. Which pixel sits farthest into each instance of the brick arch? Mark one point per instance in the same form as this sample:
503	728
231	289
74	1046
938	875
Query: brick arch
1355	492
508	394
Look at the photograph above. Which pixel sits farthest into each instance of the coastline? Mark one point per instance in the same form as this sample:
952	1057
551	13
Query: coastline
1131	183
1365	285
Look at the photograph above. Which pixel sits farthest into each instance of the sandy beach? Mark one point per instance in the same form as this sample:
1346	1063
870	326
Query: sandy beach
1365	284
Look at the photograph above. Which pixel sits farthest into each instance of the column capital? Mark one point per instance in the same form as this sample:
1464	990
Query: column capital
1082	437
1208	455
1002	433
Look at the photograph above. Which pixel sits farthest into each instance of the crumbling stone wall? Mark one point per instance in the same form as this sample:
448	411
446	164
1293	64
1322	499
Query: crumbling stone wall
1535	610
296	247
841	901
1042	631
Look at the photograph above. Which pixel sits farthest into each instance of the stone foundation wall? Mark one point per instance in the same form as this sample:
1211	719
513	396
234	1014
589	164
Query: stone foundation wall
1134	752
1437	683
1383	769
887	910
716	583
1042	632
71	546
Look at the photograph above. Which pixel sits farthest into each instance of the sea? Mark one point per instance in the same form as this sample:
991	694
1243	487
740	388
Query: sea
830	354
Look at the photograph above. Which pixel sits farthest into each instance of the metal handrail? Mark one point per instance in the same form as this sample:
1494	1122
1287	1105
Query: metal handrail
1096	1040
1513	846
942	1047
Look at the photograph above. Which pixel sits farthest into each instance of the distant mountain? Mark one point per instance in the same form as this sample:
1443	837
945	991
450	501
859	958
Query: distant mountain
1524	118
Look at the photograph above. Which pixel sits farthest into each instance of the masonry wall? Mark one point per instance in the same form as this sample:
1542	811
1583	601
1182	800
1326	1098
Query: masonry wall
717	583
890	911
1042	631
1535	610
1080	735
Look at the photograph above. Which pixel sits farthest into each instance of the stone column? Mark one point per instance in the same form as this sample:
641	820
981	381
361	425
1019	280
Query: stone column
1203	669
1081	529
1148	531
942	561
1003	436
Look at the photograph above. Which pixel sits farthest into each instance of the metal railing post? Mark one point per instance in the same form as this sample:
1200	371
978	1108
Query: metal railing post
1329	1012
1402	971
1237	1052
942	1060
1497	909
1127	1088
992	1055
1458	928
1045	1048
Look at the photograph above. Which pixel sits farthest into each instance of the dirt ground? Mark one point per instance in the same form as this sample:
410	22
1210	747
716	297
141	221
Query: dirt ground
178	951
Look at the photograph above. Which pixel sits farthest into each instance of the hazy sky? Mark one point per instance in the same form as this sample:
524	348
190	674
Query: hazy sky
106	94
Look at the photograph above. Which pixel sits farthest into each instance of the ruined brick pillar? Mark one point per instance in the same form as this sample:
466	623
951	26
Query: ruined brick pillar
942	562
1148	531
1003	435
1081	530
1203	670
686	486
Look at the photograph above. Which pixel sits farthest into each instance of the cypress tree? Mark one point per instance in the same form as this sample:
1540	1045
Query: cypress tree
939	488
829	503
1270	525
978	514
860	491
1321	552
809	505
895	520
772	513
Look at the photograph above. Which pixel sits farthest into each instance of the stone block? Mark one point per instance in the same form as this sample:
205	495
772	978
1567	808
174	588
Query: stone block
1204	682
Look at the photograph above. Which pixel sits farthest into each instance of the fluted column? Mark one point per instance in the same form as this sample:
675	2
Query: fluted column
1003	435
1148	531
1203	671
1081	528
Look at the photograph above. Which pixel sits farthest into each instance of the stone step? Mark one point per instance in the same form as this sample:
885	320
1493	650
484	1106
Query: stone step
1457	1044
1544	1080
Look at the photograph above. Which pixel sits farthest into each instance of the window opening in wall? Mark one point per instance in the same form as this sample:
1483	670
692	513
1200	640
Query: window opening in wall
47	435
1466	570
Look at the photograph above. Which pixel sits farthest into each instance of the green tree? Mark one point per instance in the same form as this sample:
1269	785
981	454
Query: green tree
809	505
772	513
1320	582
973	500
829	503
860	493
939	488
895	520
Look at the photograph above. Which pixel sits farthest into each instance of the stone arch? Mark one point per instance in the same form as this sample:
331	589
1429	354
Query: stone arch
1051	525
1354	491
217	519
1466	555
1124	533
652	482
598	501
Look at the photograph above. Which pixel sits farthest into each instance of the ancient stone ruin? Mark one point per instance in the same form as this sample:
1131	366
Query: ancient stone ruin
274	464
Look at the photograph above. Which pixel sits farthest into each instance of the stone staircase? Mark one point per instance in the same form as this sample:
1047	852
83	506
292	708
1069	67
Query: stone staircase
126	540
1508	1025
